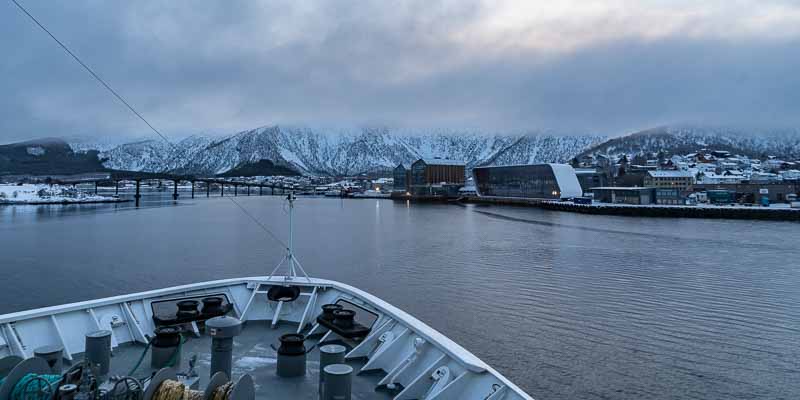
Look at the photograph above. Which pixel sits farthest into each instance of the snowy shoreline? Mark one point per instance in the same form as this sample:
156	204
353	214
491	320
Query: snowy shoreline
29	194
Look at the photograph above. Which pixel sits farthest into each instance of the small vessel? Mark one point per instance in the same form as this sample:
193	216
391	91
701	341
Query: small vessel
333	193
371	194
284	336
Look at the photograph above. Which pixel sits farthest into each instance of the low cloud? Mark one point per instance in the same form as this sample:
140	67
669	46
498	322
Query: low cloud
567	66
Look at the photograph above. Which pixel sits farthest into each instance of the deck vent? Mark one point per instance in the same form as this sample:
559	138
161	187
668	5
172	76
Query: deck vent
222	331
329	354
338	382
98	351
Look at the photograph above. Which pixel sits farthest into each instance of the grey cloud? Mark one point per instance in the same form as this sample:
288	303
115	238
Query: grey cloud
226	66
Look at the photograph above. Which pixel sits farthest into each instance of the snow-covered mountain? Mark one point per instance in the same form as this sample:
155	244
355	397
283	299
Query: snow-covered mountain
783	143
340	151
324	151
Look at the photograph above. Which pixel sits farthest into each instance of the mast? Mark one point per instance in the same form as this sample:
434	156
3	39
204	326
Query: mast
292	262
290	249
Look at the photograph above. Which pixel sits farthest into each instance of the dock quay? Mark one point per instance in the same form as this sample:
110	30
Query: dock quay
650	210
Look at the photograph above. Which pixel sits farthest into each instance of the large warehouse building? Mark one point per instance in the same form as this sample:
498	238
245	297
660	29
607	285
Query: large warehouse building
436	177
535	181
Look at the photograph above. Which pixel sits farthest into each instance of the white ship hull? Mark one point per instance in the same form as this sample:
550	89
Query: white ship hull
403	348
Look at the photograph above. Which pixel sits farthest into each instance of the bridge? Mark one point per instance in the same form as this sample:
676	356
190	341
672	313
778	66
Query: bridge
117	177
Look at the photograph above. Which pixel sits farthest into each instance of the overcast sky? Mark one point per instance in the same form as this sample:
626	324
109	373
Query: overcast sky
601	66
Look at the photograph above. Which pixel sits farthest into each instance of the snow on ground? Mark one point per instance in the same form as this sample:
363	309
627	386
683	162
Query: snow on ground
45	194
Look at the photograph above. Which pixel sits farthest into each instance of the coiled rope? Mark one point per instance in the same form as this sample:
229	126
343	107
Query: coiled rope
174	390
223	392
35	387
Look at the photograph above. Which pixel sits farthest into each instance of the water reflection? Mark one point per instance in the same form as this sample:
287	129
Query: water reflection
566	305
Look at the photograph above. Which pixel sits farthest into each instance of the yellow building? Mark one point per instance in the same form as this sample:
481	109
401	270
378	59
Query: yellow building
669	179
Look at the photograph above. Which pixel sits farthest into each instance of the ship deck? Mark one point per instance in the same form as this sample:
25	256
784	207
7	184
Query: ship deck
253	355
400	350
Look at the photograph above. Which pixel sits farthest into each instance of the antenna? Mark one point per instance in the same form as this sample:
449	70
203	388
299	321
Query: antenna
289	258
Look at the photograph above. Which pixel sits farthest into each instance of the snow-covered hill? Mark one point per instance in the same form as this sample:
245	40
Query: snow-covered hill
340	151
783	143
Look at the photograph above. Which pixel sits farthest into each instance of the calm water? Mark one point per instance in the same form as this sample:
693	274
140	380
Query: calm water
566	305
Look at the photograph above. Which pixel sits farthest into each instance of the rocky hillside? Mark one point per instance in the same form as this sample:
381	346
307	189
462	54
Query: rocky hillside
46	156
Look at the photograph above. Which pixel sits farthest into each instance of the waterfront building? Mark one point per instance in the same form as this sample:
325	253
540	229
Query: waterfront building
401	175
436	177
669	179
720	196
624	195
630	179
591	177
670	196
753	192
538	181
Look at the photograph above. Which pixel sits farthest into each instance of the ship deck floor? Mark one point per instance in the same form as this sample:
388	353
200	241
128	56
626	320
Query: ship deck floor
253	355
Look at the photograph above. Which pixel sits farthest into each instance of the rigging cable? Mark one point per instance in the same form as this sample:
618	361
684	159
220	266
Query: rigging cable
130	107
91	72
264	228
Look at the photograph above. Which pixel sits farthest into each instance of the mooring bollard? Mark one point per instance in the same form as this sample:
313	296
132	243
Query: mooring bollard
53	354
337	382
328	355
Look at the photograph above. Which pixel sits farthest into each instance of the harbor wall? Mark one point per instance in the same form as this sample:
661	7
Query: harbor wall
715	212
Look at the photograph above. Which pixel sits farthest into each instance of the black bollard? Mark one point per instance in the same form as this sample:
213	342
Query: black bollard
192	189
235	189
248	190
260	190
95	187
138	195
208	189
175	190
116	188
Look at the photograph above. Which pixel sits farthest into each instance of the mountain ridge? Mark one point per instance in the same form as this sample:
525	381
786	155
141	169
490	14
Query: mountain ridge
339	153
348	152
784	143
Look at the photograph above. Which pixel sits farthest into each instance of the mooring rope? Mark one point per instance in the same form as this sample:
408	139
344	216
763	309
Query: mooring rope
32	387
223	392
174	390
170	362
